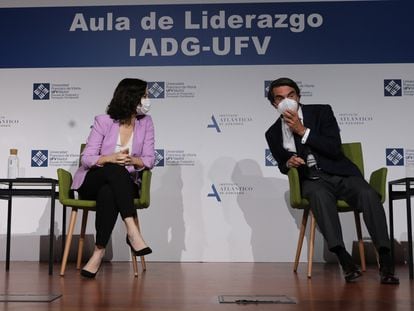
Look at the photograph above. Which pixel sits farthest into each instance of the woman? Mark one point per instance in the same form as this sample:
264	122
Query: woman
120	144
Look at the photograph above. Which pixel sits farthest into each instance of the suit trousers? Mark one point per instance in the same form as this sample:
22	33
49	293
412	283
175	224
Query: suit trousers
323	194
114	191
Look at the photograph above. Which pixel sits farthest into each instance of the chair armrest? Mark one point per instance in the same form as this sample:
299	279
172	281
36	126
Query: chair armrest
294	187
144	198
64	184
378	180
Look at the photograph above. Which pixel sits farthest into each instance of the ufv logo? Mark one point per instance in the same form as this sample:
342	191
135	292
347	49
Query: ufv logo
266	87
41	91
214	193
269	159
214	124
392	87
40	158
156	89
159	157
394	156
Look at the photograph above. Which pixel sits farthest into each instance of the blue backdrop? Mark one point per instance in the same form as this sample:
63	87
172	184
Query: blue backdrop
227	34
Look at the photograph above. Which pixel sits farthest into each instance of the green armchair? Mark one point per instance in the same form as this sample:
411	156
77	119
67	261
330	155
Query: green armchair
67	199
377	180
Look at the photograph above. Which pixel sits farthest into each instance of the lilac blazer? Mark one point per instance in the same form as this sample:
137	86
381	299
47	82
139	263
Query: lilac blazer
102	141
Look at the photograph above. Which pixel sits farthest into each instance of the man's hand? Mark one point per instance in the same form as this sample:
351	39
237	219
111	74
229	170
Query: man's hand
295	161
292	120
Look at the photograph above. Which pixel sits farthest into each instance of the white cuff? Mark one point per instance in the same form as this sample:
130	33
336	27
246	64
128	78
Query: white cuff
305	136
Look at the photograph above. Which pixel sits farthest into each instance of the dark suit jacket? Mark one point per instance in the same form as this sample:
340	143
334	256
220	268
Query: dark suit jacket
324	141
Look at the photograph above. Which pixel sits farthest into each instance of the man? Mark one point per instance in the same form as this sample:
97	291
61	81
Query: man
307	137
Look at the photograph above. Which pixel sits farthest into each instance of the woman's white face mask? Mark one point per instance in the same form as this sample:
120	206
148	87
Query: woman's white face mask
287	103
145	106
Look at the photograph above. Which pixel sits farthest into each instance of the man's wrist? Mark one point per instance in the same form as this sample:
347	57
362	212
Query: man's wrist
302	132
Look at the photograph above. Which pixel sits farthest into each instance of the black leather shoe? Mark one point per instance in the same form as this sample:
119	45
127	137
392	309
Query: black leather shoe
351	270
351	273
387	276
142	252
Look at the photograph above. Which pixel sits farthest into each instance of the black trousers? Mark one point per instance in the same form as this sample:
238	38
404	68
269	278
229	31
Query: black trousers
325	191
114	191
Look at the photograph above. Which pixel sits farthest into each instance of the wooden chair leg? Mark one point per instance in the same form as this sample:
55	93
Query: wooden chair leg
301	237
360	241
134	264
63	228
72	223
134	258
311	245
144	266
82	239
377	258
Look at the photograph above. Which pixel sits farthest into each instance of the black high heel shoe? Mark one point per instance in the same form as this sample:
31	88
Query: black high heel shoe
88	274
142	252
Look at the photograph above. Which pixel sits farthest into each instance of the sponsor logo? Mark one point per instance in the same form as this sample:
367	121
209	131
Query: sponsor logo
409	162
46	91
228	189
228	120
156	89
408	87
63	158
39	158
7	122
306	89
214	193
394	156
269	160
180	90
353	118
392	87
59	158
398	87
174	158
159	157
179	158
214	124
41	91
266	87
162	89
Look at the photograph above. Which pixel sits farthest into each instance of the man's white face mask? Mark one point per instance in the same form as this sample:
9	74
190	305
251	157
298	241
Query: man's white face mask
287	103
145	106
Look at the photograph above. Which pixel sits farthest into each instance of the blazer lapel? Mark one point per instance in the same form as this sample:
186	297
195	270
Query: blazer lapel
137	141
307	116
110	138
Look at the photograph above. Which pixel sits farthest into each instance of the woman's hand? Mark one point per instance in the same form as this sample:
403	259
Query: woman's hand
136	162
120	158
